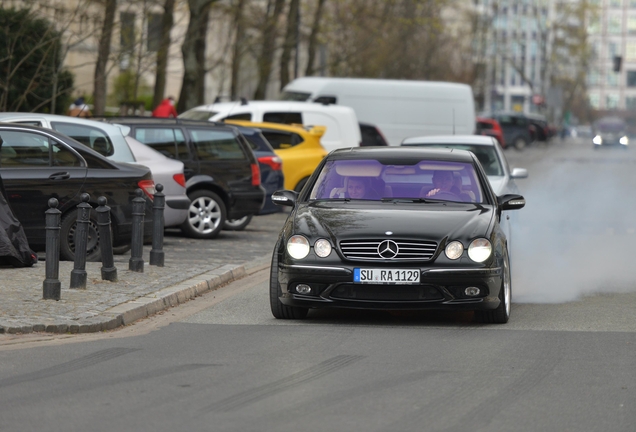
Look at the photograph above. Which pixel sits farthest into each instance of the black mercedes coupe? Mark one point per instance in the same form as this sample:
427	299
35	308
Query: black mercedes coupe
391	228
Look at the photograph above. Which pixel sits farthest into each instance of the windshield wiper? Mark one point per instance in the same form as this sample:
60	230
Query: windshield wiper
410	200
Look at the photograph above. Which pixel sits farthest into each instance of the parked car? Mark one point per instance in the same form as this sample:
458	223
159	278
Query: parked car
610	132
343	129
372	136
405	242
492	159
490	127
270	164
222	174
37	164
109	141
542	131
516	128
298	147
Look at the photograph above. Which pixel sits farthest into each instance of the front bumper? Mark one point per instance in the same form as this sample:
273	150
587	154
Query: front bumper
439	288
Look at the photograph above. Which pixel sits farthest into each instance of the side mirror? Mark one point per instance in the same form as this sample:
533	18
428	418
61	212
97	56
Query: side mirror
511	202
519	173
285	198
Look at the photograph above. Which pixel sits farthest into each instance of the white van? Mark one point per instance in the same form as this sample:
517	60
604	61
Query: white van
341	122
399	108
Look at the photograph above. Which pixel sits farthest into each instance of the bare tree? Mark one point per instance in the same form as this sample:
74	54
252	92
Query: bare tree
268	46
167	21
313	37
103	54
193	50
291	41
238	47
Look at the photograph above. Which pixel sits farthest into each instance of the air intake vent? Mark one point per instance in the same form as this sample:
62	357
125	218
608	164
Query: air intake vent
382	250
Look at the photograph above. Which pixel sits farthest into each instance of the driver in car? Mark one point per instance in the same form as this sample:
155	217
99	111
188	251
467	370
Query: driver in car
443	184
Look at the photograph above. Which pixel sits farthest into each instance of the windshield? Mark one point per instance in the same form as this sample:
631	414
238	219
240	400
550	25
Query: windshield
197	115
295	96
611	127
424	180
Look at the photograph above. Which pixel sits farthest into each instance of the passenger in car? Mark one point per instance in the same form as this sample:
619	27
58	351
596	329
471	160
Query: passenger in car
356	188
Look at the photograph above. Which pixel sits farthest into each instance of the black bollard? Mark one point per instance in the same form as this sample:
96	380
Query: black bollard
136	262
158	204
51	288
78	274
109	272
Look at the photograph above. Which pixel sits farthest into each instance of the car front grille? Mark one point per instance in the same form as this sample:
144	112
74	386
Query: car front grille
369	250
386	292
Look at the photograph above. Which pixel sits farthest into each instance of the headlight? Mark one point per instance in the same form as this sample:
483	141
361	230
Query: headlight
479	250
597	140
322	248
454	250
297	247
624	140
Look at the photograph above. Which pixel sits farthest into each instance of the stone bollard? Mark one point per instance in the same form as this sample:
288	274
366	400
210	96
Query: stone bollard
78	274
51	288
159	203
109	271
136	262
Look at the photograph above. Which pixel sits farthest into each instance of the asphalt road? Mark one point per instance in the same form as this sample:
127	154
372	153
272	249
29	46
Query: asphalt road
565	361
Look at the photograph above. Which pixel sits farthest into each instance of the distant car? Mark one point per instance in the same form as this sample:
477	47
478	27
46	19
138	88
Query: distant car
490	127
222	174
109	141
372	136
299	148
37	164
272	178
397	239
516	128
491	157
169	173
610	132
542	131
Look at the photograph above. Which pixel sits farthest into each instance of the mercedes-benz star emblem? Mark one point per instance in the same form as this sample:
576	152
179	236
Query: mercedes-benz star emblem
388	249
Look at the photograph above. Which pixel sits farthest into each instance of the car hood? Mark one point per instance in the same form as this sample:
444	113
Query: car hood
347	220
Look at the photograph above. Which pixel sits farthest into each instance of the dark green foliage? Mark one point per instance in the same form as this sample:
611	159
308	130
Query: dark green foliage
30	64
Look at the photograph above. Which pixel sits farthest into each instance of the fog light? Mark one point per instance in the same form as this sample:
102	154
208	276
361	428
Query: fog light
472	291
305	289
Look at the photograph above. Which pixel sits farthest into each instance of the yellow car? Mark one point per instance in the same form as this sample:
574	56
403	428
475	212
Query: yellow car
298	146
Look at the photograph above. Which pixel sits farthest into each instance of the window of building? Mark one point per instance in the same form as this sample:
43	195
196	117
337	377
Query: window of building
154	32
593	78
630	51
595	100
611	79
630	103
611	101
631	24
631	78
614	24
612	48
127	32
615	3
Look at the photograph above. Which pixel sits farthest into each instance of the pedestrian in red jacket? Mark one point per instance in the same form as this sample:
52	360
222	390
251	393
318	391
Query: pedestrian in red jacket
165	109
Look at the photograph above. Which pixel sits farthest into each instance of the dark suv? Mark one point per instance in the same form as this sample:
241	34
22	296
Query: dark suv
222	173
516	128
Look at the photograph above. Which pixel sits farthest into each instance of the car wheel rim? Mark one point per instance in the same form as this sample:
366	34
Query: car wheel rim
205	215
92	240
506	288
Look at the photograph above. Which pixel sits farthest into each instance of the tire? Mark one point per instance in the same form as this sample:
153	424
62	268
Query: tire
237	224
501	315
279	310
206	215
120	250
67	238
301	184
519	144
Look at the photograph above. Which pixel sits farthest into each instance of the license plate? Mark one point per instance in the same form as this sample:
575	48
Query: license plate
386	276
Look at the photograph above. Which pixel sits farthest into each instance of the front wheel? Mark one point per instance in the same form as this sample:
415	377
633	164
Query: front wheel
519	144
206	215
279	310
237	224
68	230
501	315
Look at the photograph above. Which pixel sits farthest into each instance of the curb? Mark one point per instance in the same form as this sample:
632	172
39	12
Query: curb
148	305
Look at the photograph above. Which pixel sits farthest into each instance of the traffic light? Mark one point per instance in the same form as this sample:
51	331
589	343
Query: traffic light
617	63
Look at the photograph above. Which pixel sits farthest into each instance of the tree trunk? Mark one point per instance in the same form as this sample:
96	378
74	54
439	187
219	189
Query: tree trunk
167	22
193	50
290	42
313	38
268	47
103	52
237	49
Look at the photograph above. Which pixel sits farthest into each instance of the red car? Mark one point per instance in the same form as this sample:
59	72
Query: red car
490	127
